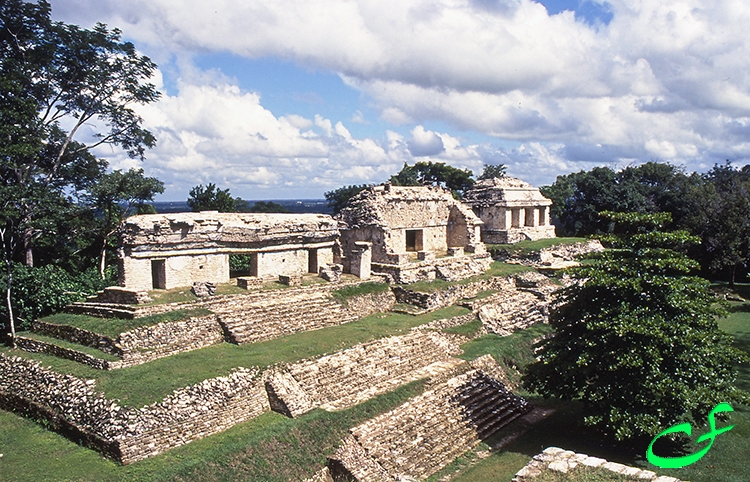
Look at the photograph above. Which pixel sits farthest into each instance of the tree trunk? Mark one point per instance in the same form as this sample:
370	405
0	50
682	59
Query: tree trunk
28	234
103	258
734	275
11	322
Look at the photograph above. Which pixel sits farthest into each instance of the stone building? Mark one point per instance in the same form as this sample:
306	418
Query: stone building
512	210
163	251
410	233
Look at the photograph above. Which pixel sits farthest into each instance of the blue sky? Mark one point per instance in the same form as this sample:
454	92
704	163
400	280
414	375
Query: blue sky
292	98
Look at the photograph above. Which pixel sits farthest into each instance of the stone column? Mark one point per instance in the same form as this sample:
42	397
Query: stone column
361	259
508	219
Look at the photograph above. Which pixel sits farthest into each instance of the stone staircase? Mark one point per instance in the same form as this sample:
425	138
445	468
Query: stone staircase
280	314
425	434
508	311
346	378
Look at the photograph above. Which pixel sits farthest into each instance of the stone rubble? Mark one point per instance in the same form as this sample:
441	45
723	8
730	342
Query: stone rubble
203	289
560	460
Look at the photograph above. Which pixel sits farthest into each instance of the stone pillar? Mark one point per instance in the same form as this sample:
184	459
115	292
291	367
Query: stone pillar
508	219
360	259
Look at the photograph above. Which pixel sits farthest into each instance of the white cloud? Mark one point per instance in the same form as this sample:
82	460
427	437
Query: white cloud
666	79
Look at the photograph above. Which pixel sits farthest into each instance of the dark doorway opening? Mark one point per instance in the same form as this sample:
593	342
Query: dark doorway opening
414	240
159	274
312	261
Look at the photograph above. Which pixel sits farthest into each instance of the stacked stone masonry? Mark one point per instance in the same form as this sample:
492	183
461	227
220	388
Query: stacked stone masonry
346	378
426	433
239	319
559	460
126	434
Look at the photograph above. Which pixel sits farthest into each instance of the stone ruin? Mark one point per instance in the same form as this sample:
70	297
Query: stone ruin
163	251
410	234
512	210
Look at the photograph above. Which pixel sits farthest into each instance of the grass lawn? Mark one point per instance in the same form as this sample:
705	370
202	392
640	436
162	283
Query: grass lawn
151	382
268	448
113	327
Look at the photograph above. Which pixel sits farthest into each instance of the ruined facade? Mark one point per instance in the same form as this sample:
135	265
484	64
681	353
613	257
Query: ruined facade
397	230
512	210
163	251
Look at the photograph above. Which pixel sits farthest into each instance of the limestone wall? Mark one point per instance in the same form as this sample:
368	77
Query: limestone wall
74	407
273	263
134	347
426	433
348	377
446	297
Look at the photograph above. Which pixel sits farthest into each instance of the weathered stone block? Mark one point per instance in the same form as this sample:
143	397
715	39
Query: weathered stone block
331	273
202	289
456	251
250	282
425	256
290	280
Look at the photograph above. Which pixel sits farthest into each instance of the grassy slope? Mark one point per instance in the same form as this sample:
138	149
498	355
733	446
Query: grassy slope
269	448
150	382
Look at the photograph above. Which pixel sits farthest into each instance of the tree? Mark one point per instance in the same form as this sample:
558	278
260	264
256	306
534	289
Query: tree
54	80
726	221
58	74
491	171
636	339
116	196
268	207
338	198
435	174
211	198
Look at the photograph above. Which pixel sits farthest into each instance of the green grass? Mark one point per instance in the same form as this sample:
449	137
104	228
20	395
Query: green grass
725	462
496	269
469	329
342	294
113	327
71	346
143	384
526	247
268	448
512	352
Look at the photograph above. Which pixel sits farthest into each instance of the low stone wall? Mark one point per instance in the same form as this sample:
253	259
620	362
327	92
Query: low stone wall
369	304
74	407
423	435
36	346
134	347
448	296
351	376
147	343
559	460
448	269
76	335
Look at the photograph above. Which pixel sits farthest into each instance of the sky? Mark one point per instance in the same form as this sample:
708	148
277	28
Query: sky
279	99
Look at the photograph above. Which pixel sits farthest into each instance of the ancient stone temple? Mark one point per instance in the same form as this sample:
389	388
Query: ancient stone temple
410	233
512	210
162	251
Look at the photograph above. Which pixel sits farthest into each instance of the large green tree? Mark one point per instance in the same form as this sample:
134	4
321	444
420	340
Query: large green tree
115	196
211	198
435	174
63	91
636	339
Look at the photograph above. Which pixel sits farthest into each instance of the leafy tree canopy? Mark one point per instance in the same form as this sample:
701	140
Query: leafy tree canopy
211	198
491	171
436	174
636	338
268	207
338	198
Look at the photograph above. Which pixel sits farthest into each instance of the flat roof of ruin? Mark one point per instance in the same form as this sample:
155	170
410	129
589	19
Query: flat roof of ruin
505	191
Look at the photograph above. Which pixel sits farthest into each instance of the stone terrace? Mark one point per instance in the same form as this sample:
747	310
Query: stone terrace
425	434
346	378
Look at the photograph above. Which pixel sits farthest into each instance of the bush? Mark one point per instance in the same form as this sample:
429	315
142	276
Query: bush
38	292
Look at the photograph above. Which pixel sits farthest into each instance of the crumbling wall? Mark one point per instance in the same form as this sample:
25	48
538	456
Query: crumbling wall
74	407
